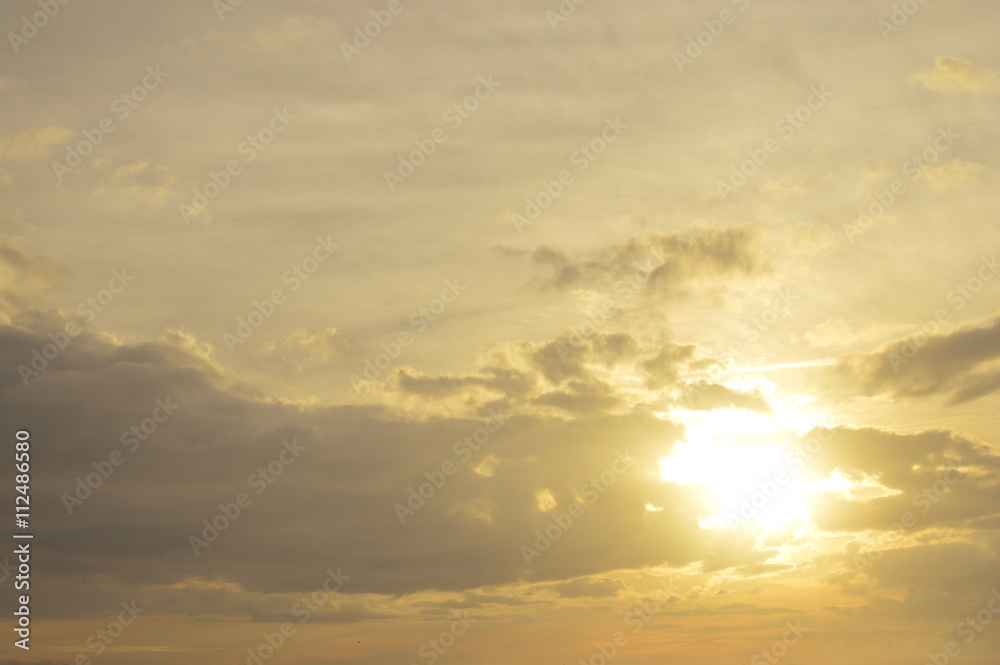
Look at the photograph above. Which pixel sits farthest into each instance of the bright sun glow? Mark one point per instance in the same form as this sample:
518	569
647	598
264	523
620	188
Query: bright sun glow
750	472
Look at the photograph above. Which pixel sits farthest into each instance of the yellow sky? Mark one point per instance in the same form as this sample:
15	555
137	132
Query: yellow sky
503	332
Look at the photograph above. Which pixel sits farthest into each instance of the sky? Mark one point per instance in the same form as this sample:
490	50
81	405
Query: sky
501	332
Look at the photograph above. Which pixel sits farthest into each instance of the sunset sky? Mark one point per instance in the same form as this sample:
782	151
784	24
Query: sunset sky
539	333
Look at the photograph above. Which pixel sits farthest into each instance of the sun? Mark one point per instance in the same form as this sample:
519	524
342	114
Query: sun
746	463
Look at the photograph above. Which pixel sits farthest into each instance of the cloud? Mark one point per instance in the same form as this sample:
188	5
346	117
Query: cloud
357	464
136	184
25	278
667	264
955	76
572	375
704	396
582	397
501	380
34	144
961	363
303	350
955	173
664	368
904	468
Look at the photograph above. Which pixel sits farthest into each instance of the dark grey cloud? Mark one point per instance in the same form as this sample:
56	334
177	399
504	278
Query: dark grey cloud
333	507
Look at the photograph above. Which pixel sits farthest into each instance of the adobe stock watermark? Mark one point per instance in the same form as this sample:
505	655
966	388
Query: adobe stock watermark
765	491
779	648
30	26
294	277
786	126
624	289
780	308
381	18
434	648
969	628
884	199
122	108
420	319
88	309
248	149
131	439
565	9
590	492
581	159
697	45
223	7
261	480
436	479
899	17
455	117
304	608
